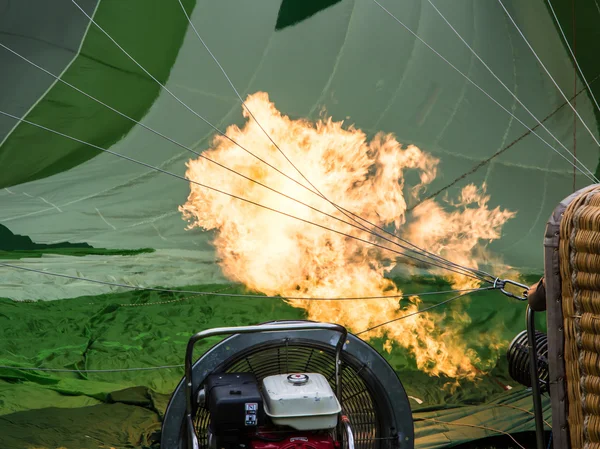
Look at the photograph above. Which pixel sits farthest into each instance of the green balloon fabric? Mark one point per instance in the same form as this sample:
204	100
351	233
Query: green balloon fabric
75	210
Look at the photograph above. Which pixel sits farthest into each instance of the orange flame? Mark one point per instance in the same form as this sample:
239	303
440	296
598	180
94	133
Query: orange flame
279	255
457	235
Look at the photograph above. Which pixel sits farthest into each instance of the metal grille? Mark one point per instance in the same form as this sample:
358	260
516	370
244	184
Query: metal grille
357	400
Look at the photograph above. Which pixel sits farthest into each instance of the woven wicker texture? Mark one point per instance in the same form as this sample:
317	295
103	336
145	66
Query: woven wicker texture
579	255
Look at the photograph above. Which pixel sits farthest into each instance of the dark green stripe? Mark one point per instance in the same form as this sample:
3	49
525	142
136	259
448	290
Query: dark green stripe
152	32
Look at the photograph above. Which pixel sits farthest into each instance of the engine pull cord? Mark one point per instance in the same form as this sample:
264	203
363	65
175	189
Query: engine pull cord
500	284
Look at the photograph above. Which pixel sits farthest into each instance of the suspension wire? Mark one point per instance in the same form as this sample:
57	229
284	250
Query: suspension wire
234	295
454	298
175	97
215	162
439	258
316	190
539	123
171	301
529	412
497	153
591	178
419	250
243	199
575	90
489	429
548	72
115	370
91	97
236	196
211	160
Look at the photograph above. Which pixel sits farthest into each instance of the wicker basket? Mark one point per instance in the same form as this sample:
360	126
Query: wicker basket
572	267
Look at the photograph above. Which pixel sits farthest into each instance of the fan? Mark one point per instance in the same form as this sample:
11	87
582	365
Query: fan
275	386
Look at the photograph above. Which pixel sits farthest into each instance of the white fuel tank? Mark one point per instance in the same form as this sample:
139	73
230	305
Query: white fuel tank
303	401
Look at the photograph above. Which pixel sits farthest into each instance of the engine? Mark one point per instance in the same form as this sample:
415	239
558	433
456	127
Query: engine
284	411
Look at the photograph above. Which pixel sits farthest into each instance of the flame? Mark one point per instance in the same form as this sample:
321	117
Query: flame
457	235
279	255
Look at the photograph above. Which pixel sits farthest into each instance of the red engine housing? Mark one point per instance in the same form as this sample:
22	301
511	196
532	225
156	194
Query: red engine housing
298	441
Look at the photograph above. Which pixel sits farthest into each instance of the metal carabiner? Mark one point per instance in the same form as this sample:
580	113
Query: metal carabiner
500	284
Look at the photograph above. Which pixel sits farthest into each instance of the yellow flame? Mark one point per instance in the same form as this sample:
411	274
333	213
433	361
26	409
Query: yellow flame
458	235
279	255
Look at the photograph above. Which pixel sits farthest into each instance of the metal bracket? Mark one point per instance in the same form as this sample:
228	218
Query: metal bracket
502	283
349	434
535	386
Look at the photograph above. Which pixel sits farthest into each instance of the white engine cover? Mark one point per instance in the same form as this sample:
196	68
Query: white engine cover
301	401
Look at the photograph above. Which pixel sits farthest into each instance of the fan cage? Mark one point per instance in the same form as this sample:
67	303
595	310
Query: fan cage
518	359
358	400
